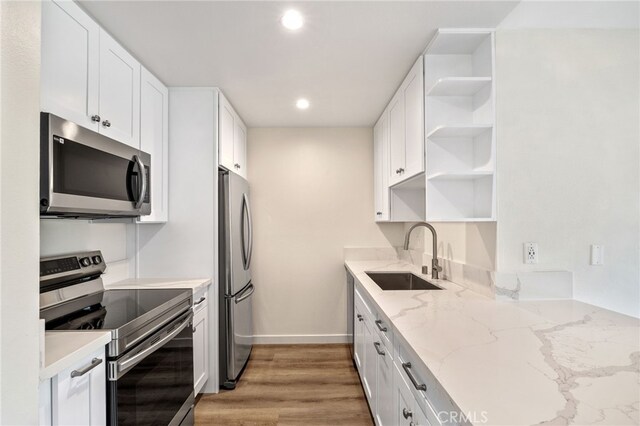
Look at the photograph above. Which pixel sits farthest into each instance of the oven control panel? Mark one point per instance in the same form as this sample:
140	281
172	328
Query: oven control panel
71	266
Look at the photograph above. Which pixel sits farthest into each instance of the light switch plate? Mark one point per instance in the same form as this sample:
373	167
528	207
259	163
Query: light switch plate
597	254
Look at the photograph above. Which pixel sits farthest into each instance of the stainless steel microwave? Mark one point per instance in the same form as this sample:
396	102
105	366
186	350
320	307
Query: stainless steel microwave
86	174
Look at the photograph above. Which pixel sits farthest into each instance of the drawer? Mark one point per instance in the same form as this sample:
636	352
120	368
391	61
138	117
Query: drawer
384	329
428	392
200	301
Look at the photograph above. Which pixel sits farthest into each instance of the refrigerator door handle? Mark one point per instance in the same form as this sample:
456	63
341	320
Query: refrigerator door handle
245	294
246	215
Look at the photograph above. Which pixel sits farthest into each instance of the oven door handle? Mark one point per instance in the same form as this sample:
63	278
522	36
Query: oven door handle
118	368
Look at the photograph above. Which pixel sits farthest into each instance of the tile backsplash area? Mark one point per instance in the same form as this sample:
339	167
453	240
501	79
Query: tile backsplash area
116	240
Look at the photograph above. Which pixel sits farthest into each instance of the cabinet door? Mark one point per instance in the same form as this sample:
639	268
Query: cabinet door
81	400
226	134
396	138
70	60
404	401
240	147
385	414
370	364
119	92
358	337
200	348
381	168
413	94
154	128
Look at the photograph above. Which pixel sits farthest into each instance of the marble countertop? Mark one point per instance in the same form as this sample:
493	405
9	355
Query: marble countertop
195	284
62	349
522	363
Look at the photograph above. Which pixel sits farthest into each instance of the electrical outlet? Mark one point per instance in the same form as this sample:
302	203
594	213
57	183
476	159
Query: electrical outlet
530	253
597	254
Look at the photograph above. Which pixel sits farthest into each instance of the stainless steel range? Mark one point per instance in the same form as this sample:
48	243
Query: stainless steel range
150	356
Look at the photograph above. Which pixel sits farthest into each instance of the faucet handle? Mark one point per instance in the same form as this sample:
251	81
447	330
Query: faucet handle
435	265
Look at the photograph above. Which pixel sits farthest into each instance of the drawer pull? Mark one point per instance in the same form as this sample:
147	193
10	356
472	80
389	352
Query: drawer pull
380	351
81	372
407	369
202	299
380	327
407	413
360	317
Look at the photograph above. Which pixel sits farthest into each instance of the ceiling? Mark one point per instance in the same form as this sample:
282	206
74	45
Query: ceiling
347	60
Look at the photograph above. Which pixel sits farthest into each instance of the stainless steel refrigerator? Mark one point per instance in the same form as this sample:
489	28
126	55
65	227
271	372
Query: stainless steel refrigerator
236	288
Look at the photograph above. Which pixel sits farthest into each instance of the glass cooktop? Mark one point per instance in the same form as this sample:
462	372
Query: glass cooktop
109	309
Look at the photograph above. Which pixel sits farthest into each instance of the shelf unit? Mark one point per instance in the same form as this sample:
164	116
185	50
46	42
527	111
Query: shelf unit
459	124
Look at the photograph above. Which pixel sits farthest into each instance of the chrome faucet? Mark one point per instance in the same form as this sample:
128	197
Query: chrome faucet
435	268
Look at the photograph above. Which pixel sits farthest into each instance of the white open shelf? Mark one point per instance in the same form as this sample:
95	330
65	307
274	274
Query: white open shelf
455	41
458	86
459	123
473	174
459	131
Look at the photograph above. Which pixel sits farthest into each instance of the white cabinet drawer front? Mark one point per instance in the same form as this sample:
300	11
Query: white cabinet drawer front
367	309
200	303
383	326
70	60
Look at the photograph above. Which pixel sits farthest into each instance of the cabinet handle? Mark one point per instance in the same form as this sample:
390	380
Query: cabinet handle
380	327
407	413
397	171
407	369
106	123
380	351
379	213
401	170
237	166
95	118
202	299
194	329
81	372
360	317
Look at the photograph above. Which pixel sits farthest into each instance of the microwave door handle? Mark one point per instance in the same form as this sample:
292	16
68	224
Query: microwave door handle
143	177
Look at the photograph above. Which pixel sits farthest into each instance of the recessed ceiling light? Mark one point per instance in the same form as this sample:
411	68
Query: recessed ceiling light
292	20
302	104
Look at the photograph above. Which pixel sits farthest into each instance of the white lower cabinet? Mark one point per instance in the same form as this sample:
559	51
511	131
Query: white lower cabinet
393	398
77	395
200	342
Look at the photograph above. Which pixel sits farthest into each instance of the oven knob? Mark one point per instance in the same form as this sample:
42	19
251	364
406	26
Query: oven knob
85	261
96	260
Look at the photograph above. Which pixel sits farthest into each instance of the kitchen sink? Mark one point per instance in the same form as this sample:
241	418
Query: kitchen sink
400	281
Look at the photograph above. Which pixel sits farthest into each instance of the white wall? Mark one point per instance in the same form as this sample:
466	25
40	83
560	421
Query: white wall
114	238
19	189
568	157
187	245
311	194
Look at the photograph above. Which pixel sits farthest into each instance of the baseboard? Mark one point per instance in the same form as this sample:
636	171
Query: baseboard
269	339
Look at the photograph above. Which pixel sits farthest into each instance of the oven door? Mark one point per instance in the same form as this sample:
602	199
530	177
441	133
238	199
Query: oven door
153	383
84	173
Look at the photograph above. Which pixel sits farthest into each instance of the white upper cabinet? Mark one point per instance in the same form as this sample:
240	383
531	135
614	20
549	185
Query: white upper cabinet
406	127
87	77
154	139
232	140
240	148
70	60
381	168
396	138
119	92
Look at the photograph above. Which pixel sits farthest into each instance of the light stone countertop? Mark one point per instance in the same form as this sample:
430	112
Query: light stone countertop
195	284
63	349
523	363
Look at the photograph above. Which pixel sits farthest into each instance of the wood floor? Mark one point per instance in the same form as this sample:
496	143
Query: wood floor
291	385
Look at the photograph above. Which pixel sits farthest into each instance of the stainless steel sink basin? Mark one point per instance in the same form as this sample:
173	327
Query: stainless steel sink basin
400	281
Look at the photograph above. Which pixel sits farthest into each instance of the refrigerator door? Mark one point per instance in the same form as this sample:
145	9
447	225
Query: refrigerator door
239	222
239	331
